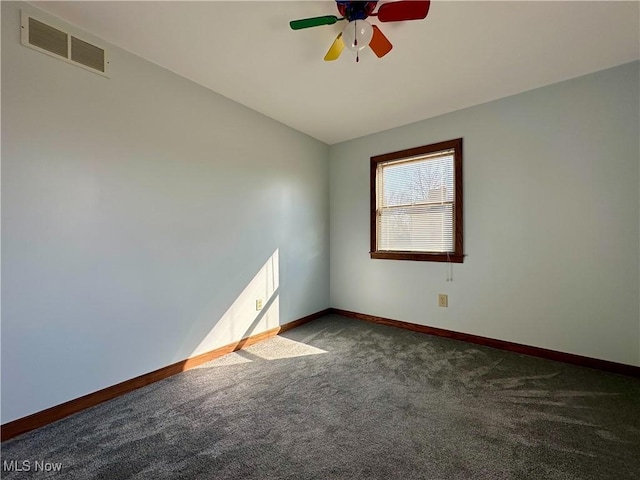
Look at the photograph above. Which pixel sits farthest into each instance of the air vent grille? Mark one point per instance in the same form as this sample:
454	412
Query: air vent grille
87	54
48	39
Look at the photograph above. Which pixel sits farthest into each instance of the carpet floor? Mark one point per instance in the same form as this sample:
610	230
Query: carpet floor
344	399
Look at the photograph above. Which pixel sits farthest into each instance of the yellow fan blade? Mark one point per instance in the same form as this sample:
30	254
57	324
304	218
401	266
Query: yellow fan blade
335	50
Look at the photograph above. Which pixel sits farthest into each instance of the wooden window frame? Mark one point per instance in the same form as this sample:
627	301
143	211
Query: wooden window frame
457	256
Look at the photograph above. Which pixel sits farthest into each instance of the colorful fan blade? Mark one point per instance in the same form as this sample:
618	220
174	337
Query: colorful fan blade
336	49
379	43
313	22
400	11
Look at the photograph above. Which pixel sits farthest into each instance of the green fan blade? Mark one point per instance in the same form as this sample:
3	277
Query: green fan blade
313	22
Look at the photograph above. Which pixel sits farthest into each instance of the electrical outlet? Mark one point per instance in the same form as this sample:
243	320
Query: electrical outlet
443	300
259	304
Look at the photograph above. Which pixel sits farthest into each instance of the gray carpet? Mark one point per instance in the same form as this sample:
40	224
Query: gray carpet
344	399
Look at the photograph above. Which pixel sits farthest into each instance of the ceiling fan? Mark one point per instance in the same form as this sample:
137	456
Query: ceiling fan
359	33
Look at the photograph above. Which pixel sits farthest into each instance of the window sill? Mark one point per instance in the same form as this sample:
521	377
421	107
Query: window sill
419	256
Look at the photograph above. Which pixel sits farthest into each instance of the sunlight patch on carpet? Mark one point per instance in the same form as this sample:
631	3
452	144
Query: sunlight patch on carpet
280	347
230	359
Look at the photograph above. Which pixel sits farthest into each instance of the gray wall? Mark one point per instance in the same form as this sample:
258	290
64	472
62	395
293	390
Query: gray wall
141	216
551	226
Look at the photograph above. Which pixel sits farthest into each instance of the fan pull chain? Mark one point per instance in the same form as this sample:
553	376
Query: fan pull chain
355	33
355	40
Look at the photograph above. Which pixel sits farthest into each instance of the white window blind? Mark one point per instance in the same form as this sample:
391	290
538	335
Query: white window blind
415	203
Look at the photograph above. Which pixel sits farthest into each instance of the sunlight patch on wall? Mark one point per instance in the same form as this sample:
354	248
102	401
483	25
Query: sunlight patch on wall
242	319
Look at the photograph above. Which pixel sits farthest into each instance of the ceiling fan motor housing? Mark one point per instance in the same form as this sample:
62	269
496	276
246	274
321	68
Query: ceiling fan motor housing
352	10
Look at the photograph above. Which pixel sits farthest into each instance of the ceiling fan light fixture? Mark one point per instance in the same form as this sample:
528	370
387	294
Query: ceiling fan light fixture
357	34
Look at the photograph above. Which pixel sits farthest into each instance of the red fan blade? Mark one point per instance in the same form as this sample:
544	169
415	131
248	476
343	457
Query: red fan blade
379	43
400	11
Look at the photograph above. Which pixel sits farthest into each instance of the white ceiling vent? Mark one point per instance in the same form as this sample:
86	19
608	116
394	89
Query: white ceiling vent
53	41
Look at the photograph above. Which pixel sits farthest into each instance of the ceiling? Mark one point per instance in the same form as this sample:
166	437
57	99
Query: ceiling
462	54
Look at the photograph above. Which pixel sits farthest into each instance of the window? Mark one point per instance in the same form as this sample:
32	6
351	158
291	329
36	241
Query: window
416	203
